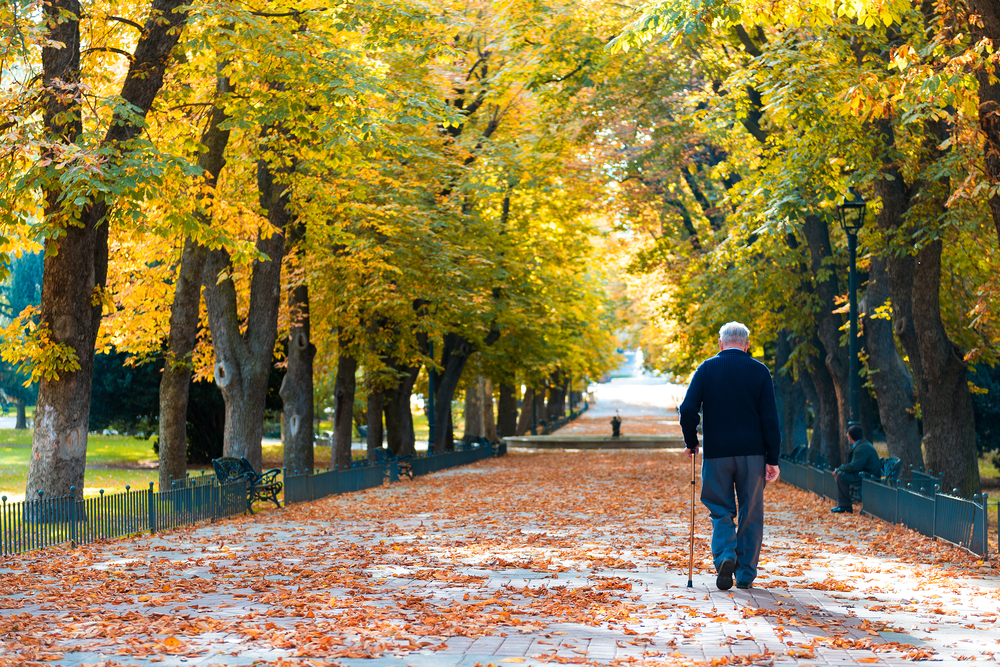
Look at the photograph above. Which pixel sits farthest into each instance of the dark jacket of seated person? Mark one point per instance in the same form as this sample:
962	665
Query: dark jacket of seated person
864	459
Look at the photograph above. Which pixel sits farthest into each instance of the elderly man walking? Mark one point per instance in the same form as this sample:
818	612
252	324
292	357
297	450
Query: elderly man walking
735	396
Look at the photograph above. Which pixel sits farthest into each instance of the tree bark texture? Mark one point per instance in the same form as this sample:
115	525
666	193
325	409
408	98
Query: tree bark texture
945	401
243	359
828	323
507	411
489	421
524	420
828	421
539	408
454	356
791	397
888	373
556	406
21	422
939	370
399	434
989	100
374	406
76	263
474	408
343	413
184	310
297	386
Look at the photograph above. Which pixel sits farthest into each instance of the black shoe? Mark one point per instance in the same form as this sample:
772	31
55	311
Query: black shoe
725	579
843	510
743	584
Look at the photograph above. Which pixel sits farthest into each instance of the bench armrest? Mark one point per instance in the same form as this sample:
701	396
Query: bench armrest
269	476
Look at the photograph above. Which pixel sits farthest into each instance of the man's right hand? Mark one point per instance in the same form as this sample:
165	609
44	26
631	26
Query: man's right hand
691	452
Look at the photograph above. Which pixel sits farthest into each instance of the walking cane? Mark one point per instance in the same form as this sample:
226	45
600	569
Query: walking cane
694	456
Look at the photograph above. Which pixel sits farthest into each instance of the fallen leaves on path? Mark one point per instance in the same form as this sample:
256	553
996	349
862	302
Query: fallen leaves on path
516	547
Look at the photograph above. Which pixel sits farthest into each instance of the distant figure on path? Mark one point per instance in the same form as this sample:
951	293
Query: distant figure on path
742	441
864	458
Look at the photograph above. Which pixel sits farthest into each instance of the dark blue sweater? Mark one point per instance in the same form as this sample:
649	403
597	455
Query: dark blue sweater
735	394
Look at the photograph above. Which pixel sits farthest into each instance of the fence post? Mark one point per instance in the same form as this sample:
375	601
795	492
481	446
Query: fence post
152	509
72	517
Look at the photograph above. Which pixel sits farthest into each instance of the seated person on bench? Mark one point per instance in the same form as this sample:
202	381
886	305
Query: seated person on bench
864	459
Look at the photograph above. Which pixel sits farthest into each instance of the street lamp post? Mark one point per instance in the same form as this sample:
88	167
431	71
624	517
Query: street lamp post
852	219
430	399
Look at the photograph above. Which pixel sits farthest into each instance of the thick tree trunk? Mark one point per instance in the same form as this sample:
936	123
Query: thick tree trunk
343	413
398	418
538	416
812	401
243	359
828	421
557	397
374	407
489	422
939	370
891	379
456	353
989	100
945	401
297	386
791	398
828	323
176	379
474	407
507	411
21	422
76	262
524	421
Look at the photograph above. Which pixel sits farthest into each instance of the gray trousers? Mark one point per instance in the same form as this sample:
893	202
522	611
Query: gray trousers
725	483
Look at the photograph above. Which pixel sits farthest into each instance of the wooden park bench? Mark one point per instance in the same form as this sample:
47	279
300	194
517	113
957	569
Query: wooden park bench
889	469
264	486
384	457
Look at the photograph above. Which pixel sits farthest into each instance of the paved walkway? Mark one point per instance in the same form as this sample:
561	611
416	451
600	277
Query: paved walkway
647	406
534	558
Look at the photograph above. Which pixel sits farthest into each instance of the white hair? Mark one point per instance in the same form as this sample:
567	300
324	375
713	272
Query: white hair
734	333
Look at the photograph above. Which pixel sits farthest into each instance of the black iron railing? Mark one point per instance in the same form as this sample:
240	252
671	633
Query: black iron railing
918	505
313	486
42	522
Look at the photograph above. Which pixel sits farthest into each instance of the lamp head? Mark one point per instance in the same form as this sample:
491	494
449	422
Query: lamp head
852	211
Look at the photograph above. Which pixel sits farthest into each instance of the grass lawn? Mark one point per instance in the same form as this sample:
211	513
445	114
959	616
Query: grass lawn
113	461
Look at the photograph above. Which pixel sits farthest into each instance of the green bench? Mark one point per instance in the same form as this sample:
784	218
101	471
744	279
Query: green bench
264	486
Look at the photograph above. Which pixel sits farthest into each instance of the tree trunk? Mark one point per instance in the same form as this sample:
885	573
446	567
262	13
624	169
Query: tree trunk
398	418
489	423
828	323
507	411
76	261
21	423
243	359
812	400
791	398
375	406
184	311
538	414
828	421
939	370
297	386
557	395
989	100
343	413
456	353
524	421
474	407
891	379
945	401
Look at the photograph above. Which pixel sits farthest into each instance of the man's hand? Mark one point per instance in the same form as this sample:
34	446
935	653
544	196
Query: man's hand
691	452
771	472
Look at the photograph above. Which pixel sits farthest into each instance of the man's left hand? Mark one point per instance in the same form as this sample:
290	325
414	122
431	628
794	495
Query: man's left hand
771	472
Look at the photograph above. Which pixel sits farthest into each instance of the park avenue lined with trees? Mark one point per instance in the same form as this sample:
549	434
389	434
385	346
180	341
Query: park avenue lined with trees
445	199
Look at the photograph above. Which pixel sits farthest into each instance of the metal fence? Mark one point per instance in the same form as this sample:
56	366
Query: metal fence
918	506
44	522
303	488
